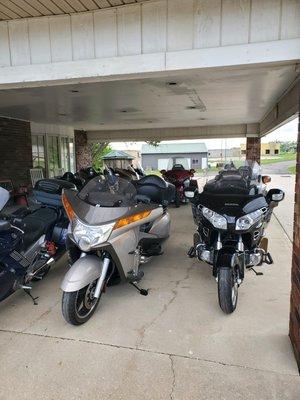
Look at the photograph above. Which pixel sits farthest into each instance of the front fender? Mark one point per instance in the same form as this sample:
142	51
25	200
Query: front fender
83	272
228	257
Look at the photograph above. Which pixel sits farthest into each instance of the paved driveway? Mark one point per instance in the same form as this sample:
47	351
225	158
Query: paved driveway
173	344
279	167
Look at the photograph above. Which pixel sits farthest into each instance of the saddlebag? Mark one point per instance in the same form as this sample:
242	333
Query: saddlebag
48	191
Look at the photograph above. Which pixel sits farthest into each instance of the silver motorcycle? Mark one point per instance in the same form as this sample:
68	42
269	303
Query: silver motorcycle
115	226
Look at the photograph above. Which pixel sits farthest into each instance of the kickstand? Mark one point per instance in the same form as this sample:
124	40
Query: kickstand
143	292
27	291
256	273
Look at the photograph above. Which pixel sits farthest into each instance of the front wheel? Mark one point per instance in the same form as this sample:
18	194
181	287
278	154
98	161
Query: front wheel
227	289
79	306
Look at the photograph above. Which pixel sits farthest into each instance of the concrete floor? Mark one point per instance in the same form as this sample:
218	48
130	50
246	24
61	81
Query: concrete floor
173	344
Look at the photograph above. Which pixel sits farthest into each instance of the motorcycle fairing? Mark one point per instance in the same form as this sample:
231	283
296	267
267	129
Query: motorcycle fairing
231	205
93	215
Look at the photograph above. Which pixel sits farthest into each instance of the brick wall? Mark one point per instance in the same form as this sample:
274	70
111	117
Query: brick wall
15	151
82	150
253	149
295	292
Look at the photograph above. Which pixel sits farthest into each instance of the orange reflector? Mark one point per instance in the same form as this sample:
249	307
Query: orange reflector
68	207
266	179
133	218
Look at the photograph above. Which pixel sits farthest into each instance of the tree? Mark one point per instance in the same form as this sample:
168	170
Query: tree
154	143
288	147
99	150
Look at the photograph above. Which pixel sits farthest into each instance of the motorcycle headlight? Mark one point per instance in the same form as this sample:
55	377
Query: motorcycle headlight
217	220
88	237
248	220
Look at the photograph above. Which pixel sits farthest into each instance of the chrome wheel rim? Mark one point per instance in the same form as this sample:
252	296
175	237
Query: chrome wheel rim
234	288
85	300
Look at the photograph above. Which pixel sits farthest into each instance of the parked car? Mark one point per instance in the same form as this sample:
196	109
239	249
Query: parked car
181	178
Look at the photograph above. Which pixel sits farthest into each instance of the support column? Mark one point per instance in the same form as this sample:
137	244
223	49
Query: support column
15	151
82	150
295	291
253	149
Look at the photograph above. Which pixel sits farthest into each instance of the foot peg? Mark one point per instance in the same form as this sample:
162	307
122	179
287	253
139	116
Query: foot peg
192	252
135	277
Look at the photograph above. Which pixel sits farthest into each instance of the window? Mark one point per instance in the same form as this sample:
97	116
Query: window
195	161
276	151
72	154
64	149
243	152
267	151
38	151
53	156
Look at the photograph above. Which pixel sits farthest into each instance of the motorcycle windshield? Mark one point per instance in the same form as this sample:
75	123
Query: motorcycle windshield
104	199
109	191
235	190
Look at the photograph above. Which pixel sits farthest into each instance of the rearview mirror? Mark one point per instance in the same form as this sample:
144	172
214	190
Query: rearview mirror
163	171
192	171
189	192
276	195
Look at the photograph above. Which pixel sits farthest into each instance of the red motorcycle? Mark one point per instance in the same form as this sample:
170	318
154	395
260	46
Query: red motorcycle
180	178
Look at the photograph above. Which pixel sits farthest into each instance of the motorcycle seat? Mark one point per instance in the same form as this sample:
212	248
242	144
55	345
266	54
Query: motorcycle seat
156	189
37	224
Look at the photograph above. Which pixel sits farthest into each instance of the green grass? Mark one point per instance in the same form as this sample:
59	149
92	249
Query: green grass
282	157
292	170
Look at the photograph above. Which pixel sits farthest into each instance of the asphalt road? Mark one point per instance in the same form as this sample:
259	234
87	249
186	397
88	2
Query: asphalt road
278	168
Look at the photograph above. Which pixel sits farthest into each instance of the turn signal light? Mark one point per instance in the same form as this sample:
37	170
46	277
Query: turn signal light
266	179
133	218
68	207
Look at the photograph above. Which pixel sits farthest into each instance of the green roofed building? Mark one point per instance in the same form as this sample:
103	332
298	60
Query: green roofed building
164	156
118	159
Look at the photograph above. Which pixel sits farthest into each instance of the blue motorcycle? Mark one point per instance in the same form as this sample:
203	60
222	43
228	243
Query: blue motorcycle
32	240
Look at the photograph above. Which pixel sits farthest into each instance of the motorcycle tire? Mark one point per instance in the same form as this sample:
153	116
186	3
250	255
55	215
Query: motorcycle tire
72	311
227	290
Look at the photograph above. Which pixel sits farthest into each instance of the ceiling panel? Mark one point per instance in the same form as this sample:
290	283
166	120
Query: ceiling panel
224	96
14	9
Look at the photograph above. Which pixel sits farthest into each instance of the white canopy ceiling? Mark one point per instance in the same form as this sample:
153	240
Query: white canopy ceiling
14	9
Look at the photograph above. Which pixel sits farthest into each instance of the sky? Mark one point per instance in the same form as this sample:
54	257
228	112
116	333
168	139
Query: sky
285	133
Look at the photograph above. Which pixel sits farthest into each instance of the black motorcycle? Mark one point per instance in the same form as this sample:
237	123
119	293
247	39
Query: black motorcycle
232	213
31	240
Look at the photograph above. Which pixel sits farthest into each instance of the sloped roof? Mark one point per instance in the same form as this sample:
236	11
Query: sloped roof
117	154
174	148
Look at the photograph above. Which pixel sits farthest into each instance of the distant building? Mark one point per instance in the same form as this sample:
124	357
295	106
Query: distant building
220	154
266	149
164	156
117	159
136	154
